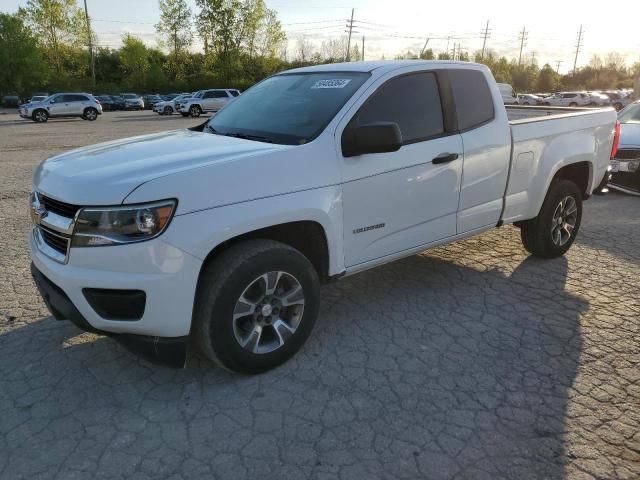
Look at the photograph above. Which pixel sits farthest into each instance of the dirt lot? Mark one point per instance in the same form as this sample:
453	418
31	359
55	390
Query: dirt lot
471	361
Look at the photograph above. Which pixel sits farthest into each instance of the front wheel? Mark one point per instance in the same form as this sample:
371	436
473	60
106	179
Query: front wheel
195	111
256	305
40	116
573	104
554	230
167	110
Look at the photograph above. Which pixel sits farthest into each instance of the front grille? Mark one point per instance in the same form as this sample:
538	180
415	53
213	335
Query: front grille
56	241
628	154
61	208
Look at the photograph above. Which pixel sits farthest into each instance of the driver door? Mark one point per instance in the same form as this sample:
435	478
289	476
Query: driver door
58	106
396	201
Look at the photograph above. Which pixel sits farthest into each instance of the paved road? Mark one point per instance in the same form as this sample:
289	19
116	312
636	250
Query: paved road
471	361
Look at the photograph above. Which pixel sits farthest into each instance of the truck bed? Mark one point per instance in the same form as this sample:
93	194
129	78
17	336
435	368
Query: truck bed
541	137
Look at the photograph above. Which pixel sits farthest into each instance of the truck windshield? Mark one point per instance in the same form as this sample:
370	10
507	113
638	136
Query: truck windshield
289	109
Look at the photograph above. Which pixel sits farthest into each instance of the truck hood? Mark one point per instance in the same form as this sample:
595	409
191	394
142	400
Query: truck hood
104	174
629	135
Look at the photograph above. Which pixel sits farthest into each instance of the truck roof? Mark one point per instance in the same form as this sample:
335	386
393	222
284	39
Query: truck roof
369	66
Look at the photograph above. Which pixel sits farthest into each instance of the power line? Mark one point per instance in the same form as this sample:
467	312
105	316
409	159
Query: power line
523	37
578	45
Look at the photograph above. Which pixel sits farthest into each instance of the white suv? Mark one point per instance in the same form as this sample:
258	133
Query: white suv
63	105
206	101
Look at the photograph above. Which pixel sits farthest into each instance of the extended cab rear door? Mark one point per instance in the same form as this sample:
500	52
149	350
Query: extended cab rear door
486	136
400	200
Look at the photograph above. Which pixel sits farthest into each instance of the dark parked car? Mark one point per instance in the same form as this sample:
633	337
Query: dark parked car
119	101
10	101
150	101
625	167
107	102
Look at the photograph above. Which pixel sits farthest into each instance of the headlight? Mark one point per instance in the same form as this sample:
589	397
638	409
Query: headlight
633	165
116	225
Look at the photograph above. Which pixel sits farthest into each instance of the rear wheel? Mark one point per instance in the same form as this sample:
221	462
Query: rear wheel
195	111
256	305
573	104
90	114
617	106
554	230
40	116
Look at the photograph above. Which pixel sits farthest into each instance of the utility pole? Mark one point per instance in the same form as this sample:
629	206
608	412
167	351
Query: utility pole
533	57
578	45
448	38
350	27
363	48
424	47
484	42
93	62
523	38
558	63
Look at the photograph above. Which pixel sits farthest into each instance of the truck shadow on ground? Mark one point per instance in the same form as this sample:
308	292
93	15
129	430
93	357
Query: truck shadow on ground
421	368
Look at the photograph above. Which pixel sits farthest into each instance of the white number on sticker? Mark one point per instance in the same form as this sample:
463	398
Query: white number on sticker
331	83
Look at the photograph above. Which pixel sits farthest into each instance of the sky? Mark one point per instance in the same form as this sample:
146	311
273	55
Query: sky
392	27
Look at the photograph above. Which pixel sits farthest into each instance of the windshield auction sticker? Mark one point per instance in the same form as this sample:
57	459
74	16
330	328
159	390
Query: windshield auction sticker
331	83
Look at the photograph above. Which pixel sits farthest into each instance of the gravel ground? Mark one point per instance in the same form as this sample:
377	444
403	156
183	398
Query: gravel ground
470	361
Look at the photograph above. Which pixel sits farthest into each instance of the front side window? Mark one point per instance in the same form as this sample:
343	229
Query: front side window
472	96
412	101
290	109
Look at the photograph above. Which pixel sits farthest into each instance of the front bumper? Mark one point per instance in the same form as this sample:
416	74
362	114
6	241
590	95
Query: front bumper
168	351
166	274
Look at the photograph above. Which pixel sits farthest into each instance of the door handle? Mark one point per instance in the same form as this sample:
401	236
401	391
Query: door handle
445	158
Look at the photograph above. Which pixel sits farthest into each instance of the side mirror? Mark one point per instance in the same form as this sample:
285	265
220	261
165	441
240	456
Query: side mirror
379	137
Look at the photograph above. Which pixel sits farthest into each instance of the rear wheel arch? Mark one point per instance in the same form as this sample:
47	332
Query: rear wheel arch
579	173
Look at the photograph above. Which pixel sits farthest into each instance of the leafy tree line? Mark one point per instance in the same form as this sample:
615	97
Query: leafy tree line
600	74
44	48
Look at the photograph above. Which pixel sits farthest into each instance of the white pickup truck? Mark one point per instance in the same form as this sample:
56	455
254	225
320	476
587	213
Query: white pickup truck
222	234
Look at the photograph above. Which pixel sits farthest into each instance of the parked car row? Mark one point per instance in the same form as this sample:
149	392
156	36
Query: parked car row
196	103
615	98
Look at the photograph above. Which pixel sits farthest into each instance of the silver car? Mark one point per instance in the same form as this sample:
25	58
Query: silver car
80	105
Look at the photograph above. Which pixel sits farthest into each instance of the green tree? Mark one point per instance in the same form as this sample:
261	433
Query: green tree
21	60
175	28
134	60
60	26
548	79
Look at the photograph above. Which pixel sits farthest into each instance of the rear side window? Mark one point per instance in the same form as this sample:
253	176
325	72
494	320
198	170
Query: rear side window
472	96
218	94
234	93
412	101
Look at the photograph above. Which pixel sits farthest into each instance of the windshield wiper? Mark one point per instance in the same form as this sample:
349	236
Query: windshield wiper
247	136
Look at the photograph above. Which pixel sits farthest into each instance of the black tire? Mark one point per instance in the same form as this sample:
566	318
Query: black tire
195	111
536	233
90	114
40	116
526	103
617	106
167	110
222	283
573	104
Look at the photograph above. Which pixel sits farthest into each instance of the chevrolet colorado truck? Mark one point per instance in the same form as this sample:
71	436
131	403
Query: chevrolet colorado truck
222	234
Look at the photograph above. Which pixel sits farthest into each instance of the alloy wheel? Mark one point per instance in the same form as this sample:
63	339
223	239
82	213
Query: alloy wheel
268	312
